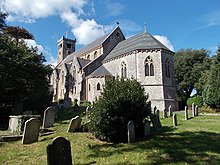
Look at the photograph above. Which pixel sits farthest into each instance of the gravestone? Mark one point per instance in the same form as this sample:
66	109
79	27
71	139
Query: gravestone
164	113
158	113
156	122
59	152
196	110
174	120
155	109
49	117
75	124
146	128
131	132
31	131
170	112
193	110
186	113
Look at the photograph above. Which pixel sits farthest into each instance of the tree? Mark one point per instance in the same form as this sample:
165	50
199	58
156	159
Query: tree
120	102
2	21
211	91
189	64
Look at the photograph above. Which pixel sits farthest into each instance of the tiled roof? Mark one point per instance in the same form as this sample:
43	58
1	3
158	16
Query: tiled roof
83	62
100	72
141	41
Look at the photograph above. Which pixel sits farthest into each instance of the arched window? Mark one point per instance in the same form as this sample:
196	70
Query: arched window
62	80
98	87
88	57
123	70
89	87
95	54
167	68
149	67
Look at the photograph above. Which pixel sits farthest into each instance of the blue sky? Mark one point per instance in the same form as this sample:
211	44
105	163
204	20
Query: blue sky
178	24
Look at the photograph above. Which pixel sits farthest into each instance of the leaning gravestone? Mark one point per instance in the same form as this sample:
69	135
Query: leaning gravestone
31	131
75	123
131	132
186	113
59	152
155	119
49	117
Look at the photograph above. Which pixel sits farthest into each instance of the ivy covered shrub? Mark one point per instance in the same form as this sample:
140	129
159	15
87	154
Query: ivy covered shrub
197	100
120	102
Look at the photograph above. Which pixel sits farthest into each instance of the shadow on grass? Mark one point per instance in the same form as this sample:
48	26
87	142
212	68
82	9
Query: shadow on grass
69	113
168	147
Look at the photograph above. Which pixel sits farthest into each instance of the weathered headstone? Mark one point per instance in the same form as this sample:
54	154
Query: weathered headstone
59	152
174	120
165	113
75	123
31	131
193	110
155	119
146	128
196	110
155	109
131	132
170	112
158	113
49	117
186	113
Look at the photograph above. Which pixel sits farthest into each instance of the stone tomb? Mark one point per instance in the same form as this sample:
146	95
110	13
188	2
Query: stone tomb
75	123
31	131
131	132
49	117
59	152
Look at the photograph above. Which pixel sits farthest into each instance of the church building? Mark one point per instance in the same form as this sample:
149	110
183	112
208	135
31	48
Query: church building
81	74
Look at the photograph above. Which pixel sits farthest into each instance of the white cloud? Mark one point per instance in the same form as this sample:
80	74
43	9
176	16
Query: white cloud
45	51
164	40
115	8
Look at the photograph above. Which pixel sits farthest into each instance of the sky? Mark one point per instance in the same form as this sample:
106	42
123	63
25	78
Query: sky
178	24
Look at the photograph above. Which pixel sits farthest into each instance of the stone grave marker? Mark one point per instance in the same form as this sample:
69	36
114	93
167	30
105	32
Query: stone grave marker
196	110
146	128
131	131
186	113
170	112
158	113
193	110
164	113
31	131
174	120
59	152
155	109
49	117
155	119
75	123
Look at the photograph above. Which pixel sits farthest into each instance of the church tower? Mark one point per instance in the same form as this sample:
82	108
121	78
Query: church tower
65	47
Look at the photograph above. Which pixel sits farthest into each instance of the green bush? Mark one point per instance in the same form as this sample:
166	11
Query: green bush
197	100
120	102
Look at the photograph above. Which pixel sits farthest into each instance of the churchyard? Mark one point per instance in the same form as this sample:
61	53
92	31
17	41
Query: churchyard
195	140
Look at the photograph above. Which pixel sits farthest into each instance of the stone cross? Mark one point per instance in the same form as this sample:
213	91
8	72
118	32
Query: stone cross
31	131
196	110
146	128
164	113
186	113
49	117
174	120
193	110
170	113
131	132
59	152
75	123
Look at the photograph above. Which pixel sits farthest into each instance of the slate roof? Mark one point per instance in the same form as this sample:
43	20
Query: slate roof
100	72
83	62
86	49
143	40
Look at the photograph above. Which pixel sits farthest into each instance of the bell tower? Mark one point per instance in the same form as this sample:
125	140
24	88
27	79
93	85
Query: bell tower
65	47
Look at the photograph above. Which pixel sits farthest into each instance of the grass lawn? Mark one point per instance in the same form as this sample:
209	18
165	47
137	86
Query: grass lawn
196	141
